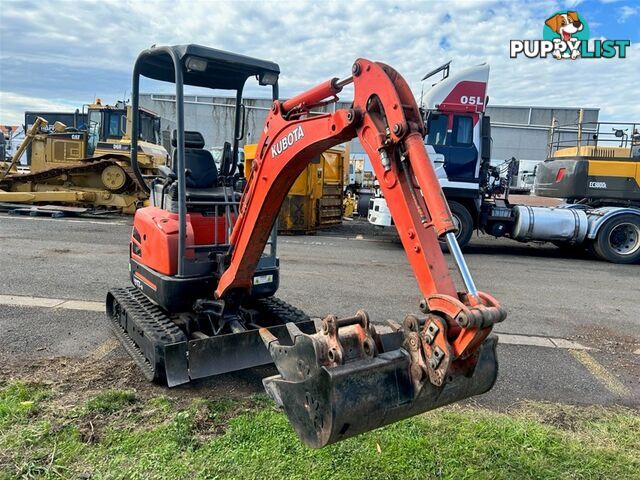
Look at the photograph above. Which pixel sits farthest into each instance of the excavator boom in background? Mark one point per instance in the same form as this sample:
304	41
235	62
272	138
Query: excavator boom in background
200	299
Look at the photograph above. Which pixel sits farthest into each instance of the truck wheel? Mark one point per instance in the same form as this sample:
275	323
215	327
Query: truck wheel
618	240
464	222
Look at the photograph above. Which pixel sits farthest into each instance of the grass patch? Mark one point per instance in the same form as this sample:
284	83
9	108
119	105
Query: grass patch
161	438
110	401
18	400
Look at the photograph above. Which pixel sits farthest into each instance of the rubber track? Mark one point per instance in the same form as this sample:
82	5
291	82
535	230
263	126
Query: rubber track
279	308
155	324
132	349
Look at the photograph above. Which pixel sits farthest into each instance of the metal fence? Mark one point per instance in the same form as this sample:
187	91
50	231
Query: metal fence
597	139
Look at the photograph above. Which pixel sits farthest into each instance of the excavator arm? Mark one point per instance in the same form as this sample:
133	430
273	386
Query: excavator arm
352	376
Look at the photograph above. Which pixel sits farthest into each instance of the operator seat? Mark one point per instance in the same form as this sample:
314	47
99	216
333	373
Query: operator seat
198	162
202	182
204	191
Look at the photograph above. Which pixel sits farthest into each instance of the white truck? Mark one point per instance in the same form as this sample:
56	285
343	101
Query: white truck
595	169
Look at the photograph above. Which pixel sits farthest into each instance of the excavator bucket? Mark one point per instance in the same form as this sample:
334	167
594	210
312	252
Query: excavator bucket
334	386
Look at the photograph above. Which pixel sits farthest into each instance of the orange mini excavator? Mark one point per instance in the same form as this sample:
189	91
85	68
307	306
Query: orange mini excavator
204	268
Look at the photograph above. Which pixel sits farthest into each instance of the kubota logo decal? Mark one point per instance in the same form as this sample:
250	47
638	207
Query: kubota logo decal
287	141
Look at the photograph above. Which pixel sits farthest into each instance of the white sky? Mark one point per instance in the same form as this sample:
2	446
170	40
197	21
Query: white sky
59	55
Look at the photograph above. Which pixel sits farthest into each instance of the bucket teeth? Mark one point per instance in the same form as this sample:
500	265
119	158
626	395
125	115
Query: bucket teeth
271	341
295	361
293	330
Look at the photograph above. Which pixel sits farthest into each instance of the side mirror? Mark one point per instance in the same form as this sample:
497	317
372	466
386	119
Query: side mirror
485	146
485	126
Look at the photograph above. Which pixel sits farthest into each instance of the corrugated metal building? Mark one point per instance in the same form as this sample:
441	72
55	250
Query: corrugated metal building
518	131
523	132
214	116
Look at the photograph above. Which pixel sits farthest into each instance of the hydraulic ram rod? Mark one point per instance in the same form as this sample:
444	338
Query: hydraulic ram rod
454	248
317	94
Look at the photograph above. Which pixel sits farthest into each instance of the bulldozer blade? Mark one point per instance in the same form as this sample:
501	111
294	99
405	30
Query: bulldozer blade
328	404
164	353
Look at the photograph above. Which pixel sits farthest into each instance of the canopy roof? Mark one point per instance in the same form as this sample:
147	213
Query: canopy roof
225	70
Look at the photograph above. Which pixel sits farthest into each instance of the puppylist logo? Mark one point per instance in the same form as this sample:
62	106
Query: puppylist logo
565	35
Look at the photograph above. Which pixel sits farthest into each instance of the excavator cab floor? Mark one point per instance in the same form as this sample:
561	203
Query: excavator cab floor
326	404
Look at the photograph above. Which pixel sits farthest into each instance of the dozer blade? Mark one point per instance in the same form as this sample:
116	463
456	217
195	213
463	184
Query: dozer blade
228	353
163	352
328	397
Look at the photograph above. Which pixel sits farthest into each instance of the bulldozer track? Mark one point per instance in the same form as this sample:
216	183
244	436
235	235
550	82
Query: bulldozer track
94	165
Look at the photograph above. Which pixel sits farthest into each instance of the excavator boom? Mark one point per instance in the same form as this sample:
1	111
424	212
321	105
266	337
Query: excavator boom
346	379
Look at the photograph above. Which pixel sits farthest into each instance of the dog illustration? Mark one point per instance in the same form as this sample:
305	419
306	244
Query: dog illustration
565	25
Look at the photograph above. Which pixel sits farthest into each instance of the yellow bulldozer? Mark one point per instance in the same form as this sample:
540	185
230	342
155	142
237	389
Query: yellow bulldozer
88	166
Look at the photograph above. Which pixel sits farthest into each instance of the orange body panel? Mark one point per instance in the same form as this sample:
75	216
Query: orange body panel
209	230
154	241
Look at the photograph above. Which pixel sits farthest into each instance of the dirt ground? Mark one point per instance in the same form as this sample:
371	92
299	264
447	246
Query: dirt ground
75	380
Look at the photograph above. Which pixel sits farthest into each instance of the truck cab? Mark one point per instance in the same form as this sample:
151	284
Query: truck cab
458	143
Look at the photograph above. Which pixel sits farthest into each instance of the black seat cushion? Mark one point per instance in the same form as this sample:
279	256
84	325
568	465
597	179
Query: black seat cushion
203	171
192	139
214	194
